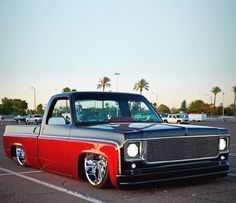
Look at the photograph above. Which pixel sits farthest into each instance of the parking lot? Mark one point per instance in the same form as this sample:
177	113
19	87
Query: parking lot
19	184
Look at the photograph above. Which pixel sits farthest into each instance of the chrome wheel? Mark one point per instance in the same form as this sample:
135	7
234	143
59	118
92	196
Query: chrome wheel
96	170
20	155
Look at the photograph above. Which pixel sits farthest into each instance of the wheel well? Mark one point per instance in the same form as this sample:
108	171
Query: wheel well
81	169
13	150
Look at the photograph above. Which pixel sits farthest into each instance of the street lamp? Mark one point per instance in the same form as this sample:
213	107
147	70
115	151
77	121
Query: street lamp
117	84
33	88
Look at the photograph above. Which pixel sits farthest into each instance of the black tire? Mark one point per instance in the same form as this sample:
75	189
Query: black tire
178	122
96	170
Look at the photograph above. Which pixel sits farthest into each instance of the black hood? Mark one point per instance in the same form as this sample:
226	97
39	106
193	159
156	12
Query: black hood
152	130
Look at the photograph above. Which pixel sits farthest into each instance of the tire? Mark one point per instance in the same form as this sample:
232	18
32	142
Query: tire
178	122
20	155
36	122
96	170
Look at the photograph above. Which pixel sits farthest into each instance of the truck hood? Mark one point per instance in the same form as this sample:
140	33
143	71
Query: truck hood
152	130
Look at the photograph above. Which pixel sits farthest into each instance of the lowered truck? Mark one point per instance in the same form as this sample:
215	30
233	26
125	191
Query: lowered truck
116	138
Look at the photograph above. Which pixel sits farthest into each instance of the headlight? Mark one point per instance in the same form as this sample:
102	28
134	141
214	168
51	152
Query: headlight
132	150
222	144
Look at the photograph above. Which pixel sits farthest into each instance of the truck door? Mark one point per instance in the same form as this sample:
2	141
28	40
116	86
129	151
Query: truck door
53	140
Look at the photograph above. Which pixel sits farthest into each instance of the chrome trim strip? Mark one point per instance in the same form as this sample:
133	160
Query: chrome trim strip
47	136
27	135
180	160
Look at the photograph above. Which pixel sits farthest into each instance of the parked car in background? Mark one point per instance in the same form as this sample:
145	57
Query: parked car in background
177	118
20	119
35	118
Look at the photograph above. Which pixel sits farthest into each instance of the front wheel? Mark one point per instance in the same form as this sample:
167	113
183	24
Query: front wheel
96	170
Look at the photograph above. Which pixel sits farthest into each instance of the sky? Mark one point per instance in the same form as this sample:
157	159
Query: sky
182	48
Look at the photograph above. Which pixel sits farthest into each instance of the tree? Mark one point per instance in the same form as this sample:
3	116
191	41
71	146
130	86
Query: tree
66	89
163	109
140	85
234	90
207	109
229	110
39	109
13	106
183	107
103	83
174	110
7	106
154	105
196	106
215	91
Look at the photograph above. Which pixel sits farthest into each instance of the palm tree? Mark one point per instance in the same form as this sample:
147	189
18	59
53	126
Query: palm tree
103	83
234	90
215	91
140	85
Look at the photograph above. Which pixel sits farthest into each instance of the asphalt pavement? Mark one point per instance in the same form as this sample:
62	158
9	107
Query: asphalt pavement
25	184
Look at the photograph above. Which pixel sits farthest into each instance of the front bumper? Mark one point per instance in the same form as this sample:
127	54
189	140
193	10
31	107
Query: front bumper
180	171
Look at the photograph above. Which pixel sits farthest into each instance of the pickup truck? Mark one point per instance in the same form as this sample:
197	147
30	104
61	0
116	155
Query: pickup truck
116	138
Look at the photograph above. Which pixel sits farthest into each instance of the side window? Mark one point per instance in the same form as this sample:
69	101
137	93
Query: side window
60	113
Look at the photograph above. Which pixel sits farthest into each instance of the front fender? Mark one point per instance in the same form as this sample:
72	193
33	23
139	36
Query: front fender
109	150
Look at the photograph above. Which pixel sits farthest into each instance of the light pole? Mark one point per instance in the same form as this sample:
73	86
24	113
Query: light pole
117	84
33	88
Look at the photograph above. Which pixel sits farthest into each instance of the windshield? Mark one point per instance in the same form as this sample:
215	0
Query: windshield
111	110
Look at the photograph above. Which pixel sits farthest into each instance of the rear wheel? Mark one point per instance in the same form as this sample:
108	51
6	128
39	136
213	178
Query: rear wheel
20	155
96	170
179	122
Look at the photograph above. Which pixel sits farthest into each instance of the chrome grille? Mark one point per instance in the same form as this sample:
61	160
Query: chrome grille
181	148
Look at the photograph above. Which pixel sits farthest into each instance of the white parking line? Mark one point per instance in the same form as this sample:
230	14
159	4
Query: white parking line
232	174
81	196
25	172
